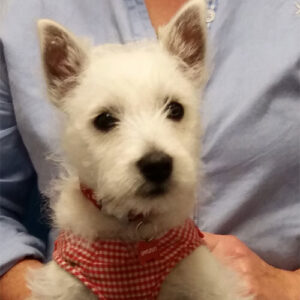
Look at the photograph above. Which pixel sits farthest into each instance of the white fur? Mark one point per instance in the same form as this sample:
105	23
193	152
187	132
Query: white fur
133	82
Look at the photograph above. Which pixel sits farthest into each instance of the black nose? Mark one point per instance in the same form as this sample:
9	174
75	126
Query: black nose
156	166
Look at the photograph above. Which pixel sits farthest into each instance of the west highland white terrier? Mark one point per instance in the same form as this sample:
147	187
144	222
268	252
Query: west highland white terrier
132	140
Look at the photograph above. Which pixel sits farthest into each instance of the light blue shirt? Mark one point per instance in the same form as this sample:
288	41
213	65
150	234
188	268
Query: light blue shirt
251	116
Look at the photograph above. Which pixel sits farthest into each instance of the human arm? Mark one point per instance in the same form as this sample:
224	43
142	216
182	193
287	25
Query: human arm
13	283
263	280
17	179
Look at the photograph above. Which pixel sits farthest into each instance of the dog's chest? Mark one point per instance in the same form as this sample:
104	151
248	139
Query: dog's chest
127	270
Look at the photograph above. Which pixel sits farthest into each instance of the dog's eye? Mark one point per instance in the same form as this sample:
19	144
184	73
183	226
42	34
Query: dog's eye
105	121
175	111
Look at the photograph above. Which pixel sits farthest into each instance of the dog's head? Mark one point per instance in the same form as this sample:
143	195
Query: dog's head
132	125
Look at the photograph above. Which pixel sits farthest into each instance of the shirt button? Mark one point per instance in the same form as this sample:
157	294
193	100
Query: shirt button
210	16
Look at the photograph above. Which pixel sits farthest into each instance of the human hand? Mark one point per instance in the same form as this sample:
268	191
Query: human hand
263	280
13	283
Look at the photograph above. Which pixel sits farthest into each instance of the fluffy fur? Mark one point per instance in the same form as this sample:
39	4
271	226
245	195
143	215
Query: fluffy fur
134	83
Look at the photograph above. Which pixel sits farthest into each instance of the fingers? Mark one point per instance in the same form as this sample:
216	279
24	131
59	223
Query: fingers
225	245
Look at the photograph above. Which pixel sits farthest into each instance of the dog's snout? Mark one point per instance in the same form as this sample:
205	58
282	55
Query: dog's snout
156	166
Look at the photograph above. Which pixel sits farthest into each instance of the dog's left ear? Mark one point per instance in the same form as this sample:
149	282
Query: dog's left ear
185	37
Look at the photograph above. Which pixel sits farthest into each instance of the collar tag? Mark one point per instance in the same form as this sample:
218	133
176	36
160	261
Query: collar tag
148	251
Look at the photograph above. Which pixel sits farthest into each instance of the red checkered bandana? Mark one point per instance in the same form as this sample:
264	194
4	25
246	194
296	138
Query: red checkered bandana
123	270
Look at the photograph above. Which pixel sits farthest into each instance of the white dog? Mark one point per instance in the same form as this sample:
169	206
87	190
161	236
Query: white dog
132	140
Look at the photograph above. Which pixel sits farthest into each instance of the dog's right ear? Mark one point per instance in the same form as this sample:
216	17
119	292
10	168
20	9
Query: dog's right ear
184	37
63	57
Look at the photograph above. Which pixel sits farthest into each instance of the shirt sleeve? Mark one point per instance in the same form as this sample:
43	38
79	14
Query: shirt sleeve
17	180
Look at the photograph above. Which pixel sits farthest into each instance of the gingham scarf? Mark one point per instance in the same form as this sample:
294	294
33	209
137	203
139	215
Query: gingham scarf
122	270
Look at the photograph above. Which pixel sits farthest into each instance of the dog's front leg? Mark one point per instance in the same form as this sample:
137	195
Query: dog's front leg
51	282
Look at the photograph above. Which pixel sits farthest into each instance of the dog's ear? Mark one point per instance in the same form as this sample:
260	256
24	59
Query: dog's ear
63	58
185	37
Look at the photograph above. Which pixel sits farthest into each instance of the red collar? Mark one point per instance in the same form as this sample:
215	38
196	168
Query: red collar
90	195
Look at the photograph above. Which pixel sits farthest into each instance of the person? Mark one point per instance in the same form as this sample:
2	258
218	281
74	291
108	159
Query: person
251	145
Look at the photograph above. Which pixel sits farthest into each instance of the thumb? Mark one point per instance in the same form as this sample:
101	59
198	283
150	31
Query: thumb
211	240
